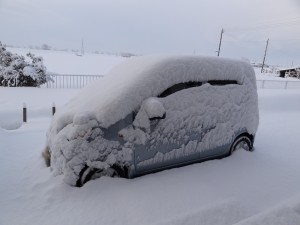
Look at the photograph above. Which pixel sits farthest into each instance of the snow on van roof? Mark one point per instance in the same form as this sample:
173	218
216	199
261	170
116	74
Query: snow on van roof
123	89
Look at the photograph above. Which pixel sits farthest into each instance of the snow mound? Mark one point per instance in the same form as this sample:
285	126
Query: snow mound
11	125
10	120
287	213
224	213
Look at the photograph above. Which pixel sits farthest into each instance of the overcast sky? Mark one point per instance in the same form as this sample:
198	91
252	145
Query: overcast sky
158	26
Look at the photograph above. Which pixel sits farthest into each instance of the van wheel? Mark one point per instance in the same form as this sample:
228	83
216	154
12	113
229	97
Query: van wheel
243	142
88	173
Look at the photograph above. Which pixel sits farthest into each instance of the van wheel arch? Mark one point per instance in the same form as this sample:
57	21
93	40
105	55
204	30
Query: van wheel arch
86	174
244	139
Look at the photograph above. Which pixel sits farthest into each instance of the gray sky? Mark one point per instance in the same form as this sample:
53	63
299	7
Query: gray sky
158	26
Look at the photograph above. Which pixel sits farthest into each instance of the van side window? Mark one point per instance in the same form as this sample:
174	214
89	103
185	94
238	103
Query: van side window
221	82
179	87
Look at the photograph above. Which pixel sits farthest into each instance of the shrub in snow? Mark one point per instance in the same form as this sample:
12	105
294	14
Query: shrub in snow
15	71
46	155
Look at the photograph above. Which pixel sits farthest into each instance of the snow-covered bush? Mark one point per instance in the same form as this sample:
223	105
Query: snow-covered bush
15	71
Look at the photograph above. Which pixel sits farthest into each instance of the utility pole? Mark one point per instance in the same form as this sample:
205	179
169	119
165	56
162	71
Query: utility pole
262	68
221	37
82	49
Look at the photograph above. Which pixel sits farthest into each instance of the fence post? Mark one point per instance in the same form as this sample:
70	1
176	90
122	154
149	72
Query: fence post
63	76
53	109
55	81
24	113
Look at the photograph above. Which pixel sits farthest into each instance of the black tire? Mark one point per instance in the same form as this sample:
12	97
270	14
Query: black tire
242	141
87	174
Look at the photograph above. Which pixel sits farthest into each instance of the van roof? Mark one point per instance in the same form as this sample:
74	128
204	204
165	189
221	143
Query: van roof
123	89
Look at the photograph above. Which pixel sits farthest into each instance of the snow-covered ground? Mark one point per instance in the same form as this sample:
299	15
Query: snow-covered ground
260	187
217	192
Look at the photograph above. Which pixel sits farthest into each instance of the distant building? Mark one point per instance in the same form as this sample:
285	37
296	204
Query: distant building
127	54
291	72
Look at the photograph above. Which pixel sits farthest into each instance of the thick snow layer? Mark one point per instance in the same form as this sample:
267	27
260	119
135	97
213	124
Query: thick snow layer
128	84
30	71
151	108
29	194
75	137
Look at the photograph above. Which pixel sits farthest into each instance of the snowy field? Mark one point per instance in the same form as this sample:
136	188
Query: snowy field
62	62
260	187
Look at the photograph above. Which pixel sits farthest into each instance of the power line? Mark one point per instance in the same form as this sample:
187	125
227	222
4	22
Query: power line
268	25
287	40
237	38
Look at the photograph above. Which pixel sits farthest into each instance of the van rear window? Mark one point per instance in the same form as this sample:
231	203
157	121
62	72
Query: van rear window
222	82
179	87
191	84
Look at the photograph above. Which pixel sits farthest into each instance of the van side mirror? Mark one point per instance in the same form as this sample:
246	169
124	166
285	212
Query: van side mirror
154	109
151	109
158	117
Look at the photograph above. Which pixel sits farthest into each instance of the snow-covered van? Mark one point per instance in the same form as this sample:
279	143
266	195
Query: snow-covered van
154	113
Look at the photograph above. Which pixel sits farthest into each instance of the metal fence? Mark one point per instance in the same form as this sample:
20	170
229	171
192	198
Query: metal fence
79	81
277	84
70	81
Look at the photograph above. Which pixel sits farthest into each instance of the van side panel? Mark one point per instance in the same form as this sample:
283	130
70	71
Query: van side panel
201	123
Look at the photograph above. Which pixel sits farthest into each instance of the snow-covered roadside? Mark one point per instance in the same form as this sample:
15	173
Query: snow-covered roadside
29	194
271	76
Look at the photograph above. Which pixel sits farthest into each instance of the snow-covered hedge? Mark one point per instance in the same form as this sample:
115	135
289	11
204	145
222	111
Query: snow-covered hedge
15	71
